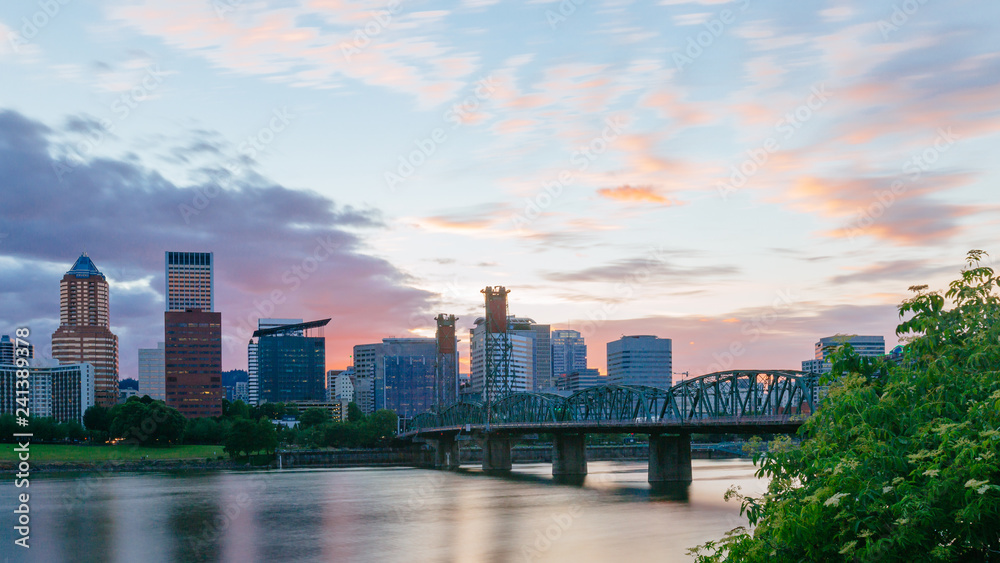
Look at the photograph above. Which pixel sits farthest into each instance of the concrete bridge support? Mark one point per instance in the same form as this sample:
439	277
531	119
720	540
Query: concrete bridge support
569	455
445	452
496	453
669	458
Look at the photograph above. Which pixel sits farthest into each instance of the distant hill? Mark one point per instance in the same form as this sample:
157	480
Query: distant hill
231	377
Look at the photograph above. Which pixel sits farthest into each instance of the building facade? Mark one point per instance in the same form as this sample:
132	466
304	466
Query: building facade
8	350
866	346
241	392
291	362
405	380
531	353
367	357
569	352
521	371
84	334
641	360
60	391
192	362
253	386
190	278
578	380
339	385
192	357
337	409
151	373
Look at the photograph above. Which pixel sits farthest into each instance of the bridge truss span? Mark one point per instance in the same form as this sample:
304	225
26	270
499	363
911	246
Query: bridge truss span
720	398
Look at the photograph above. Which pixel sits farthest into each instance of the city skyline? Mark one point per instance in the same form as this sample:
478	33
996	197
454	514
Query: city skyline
721	360
741	178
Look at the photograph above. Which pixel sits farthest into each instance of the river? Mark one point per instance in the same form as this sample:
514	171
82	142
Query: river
375	515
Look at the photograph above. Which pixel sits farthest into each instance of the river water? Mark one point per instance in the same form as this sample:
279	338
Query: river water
375	515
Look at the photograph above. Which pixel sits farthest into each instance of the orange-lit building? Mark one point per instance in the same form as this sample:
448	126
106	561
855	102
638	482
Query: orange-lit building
84	333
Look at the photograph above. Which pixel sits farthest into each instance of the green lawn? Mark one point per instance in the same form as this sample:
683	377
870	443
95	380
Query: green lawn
48	453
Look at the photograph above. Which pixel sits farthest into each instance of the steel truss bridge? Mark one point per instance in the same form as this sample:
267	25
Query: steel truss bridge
738	401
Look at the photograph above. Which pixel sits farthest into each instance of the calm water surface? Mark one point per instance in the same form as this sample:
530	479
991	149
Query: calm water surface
376	515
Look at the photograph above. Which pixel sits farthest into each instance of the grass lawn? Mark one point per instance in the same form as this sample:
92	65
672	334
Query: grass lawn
48	453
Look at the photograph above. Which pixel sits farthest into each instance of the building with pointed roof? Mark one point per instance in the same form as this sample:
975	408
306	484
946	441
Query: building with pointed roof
84	333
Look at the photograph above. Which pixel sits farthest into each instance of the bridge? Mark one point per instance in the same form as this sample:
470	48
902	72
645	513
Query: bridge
727	402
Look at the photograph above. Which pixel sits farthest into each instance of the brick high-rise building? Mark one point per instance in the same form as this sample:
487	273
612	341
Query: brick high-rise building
192	356
192	362
84	333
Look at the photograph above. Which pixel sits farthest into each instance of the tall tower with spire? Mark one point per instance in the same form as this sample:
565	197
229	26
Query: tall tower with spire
84	333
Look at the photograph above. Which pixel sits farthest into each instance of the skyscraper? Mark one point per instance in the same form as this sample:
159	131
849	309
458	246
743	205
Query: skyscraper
405	380
192	358
569	352
151	374
253	385
291	362
522	355
541	354
190	280
641	360
366	358
192	362
84	333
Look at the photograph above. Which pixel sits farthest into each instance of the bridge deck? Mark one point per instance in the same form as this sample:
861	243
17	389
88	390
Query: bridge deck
723	425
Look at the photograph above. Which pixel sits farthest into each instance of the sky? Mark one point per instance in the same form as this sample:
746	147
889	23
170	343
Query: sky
742	177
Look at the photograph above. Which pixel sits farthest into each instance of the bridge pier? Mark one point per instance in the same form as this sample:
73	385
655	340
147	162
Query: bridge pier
669	458
445	452
496	453
569	455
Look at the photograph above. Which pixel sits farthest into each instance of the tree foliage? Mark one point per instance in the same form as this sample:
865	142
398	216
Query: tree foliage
313	417
246	437
372	431
97	418
899	463
151	423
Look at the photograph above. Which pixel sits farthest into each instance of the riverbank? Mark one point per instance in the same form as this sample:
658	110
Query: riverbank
108	458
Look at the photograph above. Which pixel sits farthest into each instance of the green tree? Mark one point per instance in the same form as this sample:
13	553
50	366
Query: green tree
380	428
202	431
239	409
146	424
97	420
97	417
265	438
354	413
271	410
46	429
897	464
8	426
313	417
240	438
75	431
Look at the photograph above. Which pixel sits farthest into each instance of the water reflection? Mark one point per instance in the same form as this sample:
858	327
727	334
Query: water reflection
382	515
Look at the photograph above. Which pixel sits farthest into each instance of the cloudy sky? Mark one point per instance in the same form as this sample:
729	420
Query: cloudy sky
742	177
